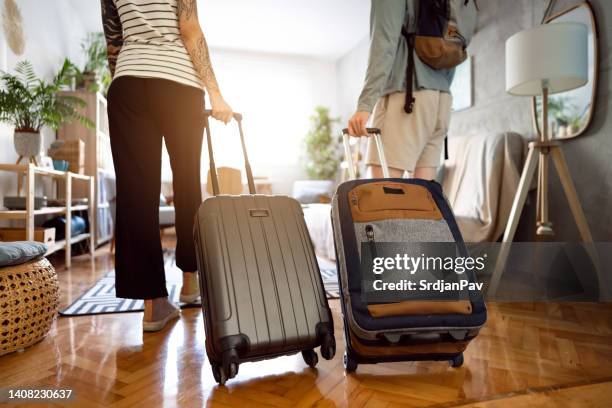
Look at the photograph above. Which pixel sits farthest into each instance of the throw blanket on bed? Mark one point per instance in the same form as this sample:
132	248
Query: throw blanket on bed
318	220
480	180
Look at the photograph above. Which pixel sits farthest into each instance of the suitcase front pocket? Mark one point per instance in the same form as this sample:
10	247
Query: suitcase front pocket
387	200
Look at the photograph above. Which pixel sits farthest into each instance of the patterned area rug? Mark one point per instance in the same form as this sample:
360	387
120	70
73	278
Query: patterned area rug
101	299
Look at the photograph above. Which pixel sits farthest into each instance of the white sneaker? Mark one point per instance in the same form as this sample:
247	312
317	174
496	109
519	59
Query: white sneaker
168	312
190	298
190	280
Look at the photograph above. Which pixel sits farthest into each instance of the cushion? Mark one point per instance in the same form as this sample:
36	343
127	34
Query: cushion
162	201
20	252
166	216
310	191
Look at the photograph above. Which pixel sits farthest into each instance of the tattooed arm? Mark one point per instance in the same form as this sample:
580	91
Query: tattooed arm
113	33
195	43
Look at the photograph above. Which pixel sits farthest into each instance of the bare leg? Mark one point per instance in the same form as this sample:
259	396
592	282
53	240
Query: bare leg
376	172
426	173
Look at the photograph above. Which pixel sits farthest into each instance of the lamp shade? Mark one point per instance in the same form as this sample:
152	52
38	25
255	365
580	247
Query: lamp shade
554	55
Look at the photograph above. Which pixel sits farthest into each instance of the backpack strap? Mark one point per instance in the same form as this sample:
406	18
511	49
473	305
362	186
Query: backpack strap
409	104
410	40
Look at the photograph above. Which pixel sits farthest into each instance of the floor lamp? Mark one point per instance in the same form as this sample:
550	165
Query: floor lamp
544	60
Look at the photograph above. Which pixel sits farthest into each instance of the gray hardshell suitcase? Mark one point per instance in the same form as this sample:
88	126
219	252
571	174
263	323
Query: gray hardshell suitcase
262	292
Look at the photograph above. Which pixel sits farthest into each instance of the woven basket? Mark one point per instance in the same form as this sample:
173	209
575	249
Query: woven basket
29	301
73	151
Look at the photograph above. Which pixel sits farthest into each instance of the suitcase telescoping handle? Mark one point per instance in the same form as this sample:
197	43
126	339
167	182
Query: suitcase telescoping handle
236	116
375	132
211	157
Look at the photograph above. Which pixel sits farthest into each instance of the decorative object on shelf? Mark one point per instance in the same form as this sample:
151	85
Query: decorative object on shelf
543	60
78	226
27	144
19	203
61	165
323	147
44	235
46	162
61	202
30	291
570	112
71	151
12	26
29	103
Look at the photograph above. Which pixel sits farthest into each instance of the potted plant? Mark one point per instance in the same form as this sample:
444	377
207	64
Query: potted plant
575	124
322	158
322	147
95	74
29	103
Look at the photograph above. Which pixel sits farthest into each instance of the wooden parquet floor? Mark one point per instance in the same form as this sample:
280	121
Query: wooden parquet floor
528	355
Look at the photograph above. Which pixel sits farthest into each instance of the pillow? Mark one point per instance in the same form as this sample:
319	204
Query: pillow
20	252
310	191
308	196
162	201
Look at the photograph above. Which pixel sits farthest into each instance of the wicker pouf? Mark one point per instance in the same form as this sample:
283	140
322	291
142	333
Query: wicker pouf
29	302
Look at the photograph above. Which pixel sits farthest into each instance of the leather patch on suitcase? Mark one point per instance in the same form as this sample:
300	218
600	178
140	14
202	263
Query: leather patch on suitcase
438	347
382	200
420	308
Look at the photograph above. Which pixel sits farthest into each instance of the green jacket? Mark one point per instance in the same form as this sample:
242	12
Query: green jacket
388	58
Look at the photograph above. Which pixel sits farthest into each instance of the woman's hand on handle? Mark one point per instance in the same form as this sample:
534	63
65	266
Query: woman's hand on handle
196	46
357	125
220	109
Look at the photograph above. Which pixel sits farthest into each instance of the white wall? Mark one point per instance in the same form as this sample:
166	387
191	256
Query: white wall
53	31
3	52
277	94
351	70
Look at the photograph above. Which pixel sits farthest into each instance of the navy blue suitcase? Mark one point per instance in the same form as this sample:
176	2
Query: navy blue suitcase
405	330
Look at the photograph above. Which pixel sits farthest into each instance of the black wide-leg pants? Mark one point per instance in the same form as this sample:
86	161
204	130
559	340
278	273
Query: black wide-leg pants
142	112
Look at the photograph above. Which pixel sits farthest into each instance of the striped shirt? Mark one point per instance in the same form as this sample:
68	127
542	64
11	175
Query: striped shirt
152	45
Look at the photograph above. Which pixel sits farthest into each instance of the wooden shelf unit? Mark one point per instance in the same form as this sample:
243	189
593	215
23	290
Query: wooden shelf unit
98	157
30	171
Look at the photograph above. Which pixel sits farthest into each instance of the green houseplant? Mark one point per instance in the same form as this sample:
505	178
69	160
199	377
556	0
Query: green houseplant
29	103
95	73
323	152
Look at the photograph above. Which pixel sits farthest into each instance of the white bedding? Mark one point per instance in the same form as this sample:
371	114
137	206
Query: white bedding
318	220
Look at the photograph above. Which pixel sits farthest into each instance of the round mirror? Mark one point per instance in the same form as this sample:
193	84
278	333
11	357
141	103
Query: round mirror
569	113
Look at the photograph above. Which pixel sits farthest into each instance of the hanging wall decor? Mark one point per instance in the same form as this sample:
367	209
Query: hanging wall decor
12	26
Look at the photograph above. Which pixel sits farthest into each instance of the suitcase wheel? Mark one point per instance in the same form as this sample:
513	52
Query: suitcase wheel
350	365
227	369
457	361
310	357
222	374
328	347
219	373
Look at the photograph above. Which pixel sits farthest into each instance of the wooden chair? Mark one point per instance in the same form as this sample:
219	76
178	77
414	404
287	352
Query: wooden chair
230	181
